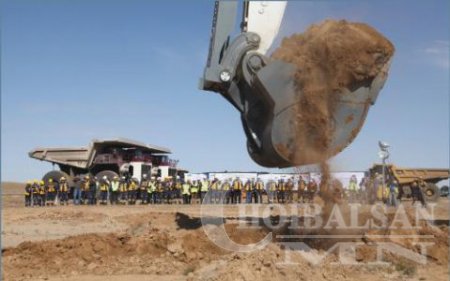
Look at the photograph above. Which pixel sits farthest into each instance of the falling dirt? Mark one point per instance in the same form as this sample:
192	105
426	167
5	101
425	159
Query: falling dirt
331	57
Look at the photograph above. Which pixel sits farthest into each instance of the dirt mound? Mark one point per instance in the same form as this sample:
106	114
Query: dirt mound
330	56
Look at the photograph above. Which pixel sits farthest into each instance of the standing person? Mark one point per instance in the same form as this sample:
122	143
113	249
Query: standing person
289	190
104	187
352	188
178	189
203	190
51	192
301	190
123	192
36	196
363	188
281	191
416	192
85	190
42	193
186	192
77	191
237	191
153	189
167	186
115	190
92	191
215	191
132	187
259	189
393	190
248	187
272	191
28	193
63	191
143	189
225	194
312	189
194	190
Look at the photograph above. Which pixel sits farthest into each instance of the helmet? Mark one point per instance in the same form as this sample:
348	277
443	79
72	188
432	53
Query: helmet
41	182
50	180
123	177
178	177
115	178
144	176
28	182
35	181
86	177
105	177
152	178
62	179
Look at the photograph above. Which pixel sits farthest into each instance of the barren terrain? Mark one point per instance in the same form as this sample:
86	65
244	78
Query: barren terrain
168	242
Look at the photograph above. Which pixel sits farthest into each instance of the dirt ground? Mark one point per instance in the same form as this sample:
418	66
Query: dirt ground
167	242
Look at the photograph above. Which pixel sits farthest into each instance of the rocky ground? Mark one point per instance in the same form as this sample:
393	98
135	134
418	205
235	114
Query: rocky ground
168	242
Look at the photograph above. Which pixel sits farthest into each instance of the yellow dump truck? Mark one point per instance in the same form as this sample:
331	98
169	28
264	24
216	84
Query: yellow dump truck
406	176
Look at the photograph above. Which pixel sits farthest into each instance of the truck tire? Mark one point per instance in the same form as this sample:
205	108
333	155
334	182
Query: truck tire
431	192
56	175
108	173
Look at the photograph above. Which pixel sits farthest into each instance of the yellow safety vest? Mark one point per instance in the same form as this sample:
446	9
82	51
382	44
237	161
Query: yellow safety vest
51	187
237	185
186	188
123	186
132	186
115	185
259	185
64	187
226	186
205	185
103	187
272	186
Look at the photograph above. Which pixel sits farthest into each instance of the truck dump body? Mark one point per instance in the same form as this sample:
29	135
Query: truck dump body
98	152
408	175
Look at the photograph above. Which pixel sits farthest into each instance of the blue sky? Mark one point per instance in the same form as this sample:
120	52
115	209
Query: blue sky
77	70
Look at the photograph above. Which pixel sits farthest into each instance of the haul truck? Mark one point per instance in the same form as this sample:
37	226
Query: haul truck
114	157
406	176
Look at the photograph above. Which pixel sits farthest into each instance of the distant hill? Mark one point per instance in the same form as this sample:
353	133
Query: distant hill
12	187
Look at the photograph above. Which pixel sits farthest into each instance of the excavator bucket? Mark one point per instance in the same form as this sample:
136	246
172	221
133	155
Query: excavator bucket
267	93
284	141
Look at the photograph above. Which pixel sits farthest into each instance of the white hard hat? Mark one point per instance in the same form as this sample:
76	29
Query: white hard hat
178	177
152	178
105	177
144	176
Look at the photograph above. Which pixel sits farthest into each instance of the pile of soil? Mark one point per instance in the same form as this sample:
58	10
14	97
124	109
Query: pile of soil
330	56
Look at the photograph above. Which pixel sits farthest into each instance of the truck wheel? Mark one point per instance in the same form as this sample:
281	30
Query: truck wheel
431	192
56	175
108	173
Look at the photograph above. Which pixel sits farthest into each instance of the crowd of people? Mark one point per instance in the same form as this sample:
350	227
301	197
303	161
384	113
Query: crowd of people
92	191
389	191
153	190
